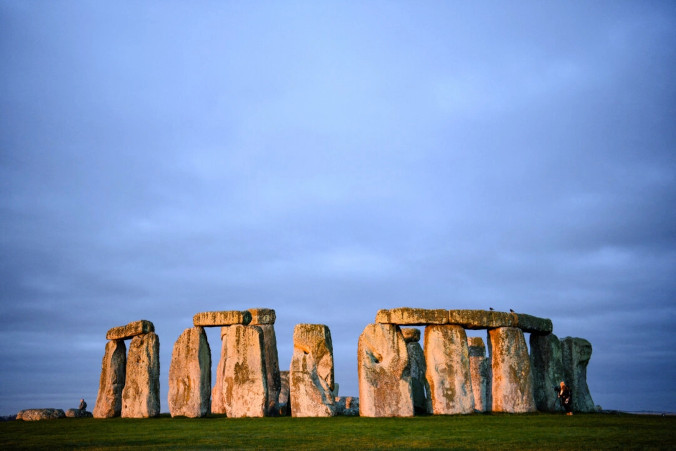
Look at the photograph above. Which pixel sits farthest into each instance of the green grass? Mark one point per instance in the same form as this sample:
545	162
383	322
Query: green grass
532	431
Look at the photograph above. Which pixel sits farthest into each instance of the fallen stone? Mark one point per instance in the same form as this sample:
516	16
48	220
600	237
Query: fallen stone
111	382
384	373
479	368
222	318
411	334
448	374
576	353
141	393
260	316
311	379
412	316
130	330
283	406
533	324
190	375
547	367
271	358
511	377
78	413
419	386
40	414
347	406
481	319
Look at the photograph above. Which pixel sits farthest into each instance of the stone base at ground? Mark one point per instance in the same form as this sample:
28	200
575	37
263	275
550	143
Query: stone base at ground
347	406
78	413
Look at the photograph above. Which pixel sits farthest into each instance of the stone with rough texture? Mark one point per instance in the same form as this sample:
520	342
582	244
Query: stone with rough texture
479	368
40	414
411	334
411	316
130	330
271	357
511	378
576	353
217	399
419	385
347	406
384	371
448	375
221	318
283	406
311	378
141	393
533	324
547	367
111	383
481	319
78	413
244	381
190	375
260	316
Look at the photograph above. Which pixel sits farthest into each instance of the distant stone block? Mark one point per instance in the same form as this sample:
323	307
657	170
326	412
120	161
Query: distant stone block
130	330
533	324
412	316
411	334
481	319
261	316
78	413
40	414
222	318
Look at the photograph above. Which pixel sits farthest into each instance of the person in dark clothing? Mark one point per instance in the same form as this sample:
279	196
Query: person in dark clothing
565	397
83	404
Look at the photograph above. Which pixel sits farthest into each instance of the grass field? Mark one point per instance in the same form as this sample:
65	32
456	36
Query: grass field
536	431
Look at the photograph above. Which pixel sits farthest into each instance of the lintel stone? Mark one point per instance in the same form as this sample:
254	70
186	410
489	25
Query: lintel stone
533	324
481	319
412	316
130	330
221	318
261	316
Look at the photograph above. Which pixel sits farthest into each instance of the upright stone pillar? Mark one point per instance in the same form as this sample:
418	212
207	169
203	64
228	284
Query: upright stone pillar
113	370
141	393
265	319
576	353
448	374
190	375
311	378
512	381
547	367
384	373
283	404
217	399
419	383
479	368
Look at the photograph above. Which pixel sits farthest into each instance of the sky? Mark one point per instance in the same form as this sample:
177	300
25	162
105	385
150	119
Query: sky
329	159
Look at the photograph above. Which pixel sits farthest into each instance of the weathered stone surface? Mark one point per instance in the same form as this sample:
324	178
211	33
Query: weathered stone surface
419	385
283	406
481	319
576	353
547	368
141	393
271	357
311	378
244	387
130	330
511	378
448	375
40	414
111	383
410	334
533	324
261	316
347	406
190	375
384	373
412	316
78	413
217	398
479	368
222	318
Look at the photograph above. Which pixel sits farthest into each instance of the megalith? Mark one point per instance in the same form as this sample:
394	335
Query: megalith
111	383
244	383
576	353
384	372
141	393
283	405
448	374
190	375
511	378
419	385
547	368
265	319
479	368
311	377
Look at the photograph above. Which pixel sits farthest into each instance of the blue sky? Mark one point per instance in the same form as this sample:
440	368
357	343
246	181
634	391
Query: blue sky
328	159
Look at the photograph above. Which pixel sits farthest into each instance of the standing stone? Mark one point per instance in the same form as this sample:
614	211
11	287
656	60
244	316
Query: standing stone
512	381
448	374
244	388
311	379
190	375
547	367
141	393
283	406
419	384
479	368
384	373
217	399
576	353
111	383
271	358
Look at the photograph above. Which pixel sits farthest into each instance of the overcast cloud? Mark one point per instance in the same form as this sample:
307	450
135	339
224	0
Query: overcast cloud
159	159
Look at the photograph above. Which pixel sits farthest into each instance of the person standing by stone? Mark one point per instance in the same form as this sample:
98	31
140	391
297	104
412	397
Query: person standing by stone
565	397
